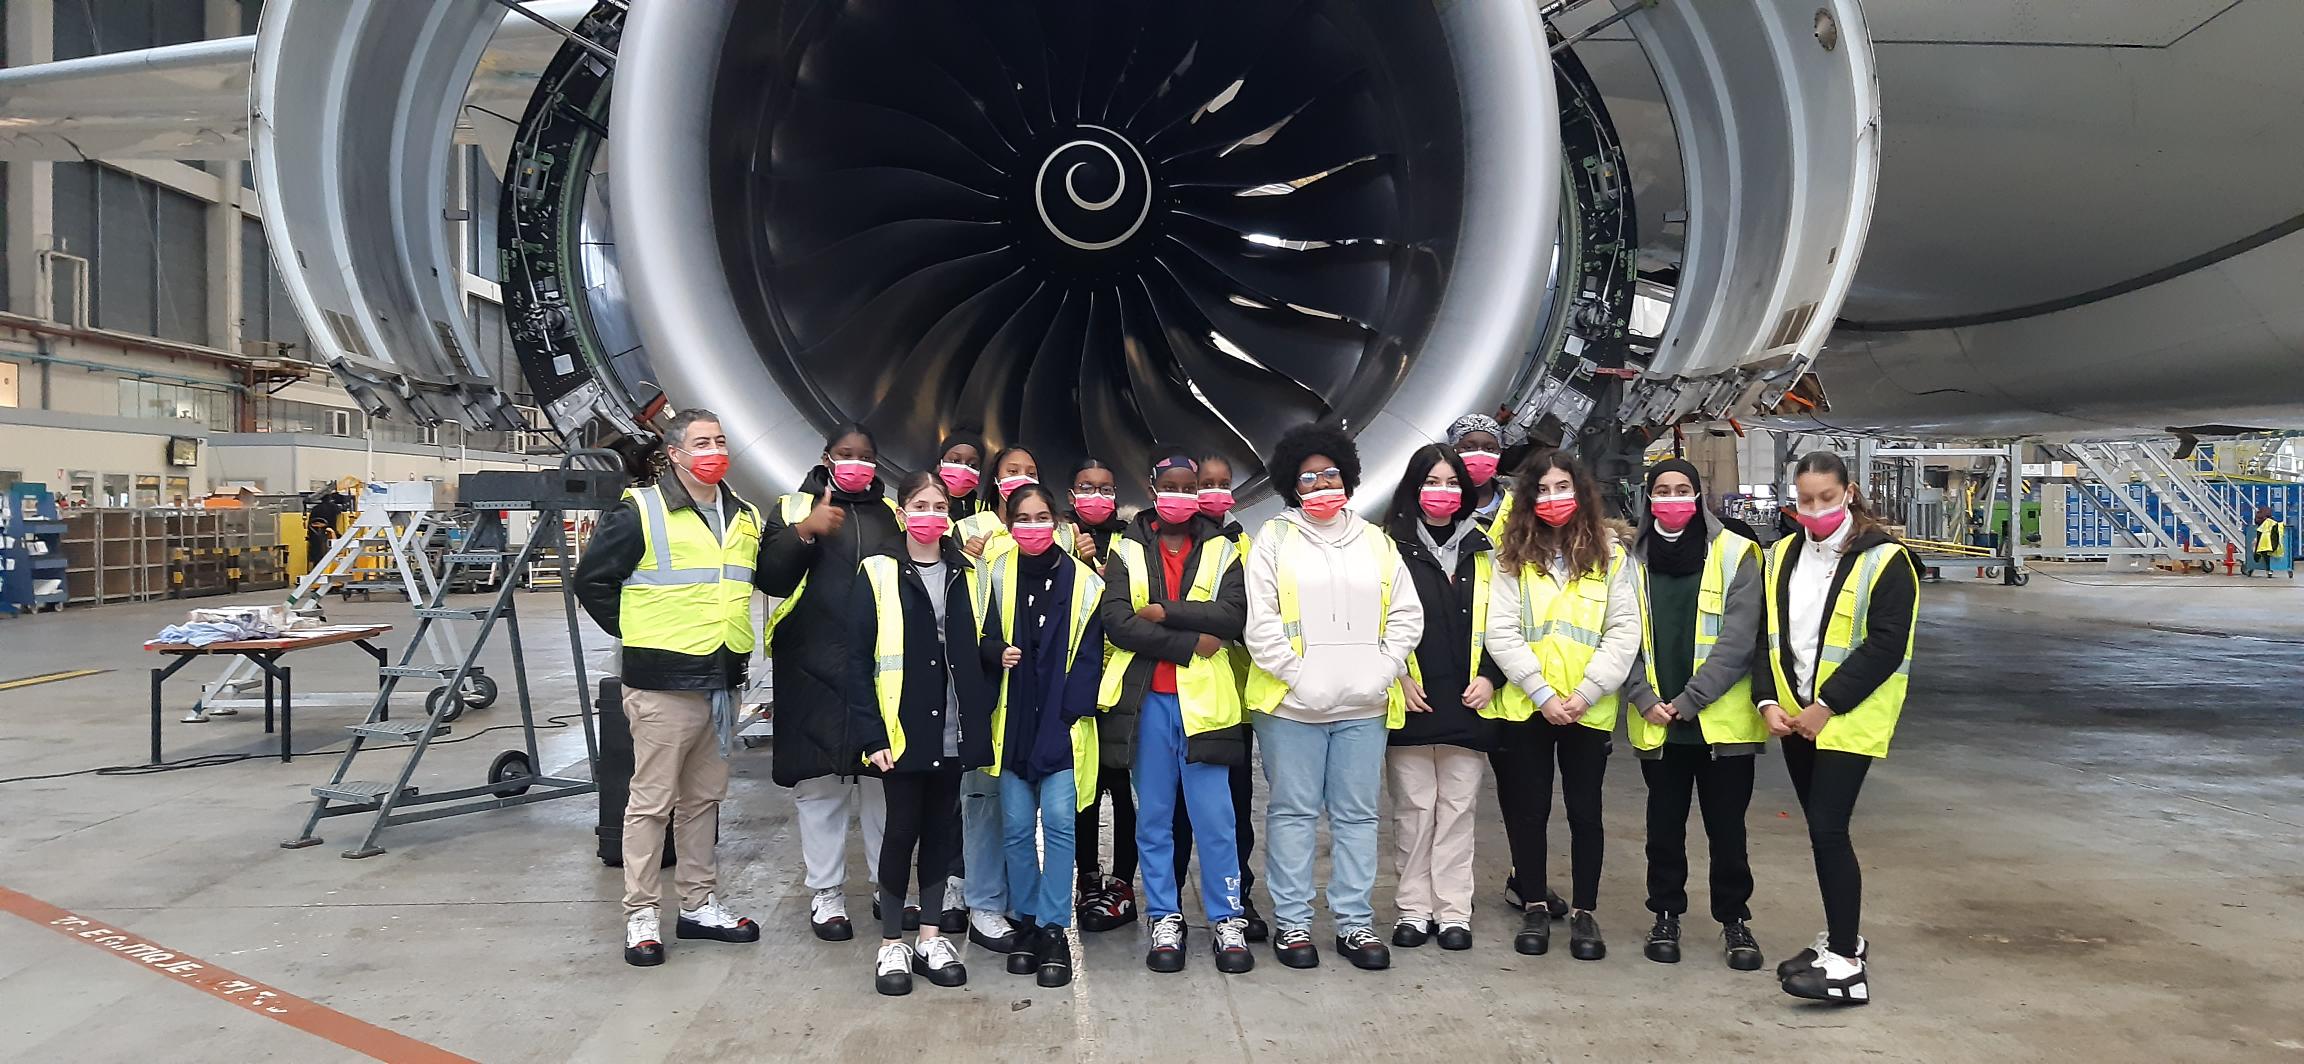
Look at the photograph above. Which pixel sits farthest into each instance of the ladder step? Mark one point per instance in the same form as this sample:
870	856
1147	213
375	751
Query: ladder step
393	729
476	557
437	672
451	613
353	791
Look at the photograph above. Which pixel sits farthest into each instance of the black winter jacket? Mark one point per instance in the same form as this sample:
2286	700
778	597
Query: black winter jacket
1171	640
931	659
615	551
1444	655
812	658
1888	627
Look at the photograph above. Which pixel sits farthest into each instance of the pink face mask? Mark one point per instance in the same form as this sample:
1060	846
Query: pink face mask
1215	502
1176	507
852	476
1672	515
1324	504
927	527
1094	509
1034	539
1482	466
1440	501
1008	485
1822	525
958	479
1555	510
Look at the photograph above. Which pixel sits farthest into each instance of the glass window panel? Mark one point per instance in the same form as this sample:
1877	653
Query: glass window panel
255	282
177	21
75	228
183	266
75	29
125	280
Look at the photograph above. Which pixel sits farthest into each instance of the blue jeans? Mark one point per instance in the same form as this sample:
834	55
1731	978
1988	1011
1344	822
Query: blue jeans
1040	880
1161	773
1307	768
980	838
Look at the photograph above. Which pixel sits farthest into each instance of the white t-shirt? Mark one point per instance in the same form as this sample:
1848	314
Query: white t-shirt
1807	599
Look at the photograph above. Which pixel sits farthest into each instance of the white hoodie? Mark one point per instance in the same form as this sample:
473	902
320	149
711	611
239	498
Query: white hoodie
1345	670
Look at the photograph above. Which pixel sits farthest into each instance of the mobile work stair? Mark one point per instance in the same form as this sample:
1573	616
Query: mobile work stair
2178	491
386	540
513	778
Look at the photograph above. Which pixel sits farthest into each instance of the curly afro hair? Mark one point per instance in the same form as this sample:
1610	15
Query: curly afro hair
1303	442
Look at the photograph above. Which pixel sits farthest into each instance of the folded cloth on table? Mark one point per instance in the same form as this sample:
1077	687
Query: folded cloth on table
202	633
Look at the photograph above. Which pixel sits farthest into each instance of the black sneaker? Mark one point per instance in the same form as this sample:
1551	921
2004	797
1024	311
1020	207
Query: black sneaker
1167	953
911	913
1807	957
1554	904
1293	946
1257	930
1584	942
1831	977
1232	955
1366	952
1664	939
1111	905
1455	937
1742	952
1535	937
1409	934
939	960
642	946
892	969
1054	952
1021	960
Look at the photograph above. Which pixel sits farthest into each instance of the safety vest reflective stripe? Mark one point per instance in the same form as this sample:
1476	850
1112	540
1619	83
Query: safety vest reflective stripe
1087	590
1733	717
1562	626
1871	724
692	591
1207	689
1265	691
887	650
794	508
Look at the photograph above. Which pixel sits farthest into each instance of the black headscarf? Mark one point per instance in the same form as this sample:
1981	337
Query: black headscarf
1677	557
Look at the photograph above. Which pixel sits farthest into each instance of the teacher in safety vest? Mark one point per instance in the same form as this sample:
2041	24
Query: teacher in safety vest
1693	722
670	572
1564	624
1173	606
1843	601
1332	618
816	538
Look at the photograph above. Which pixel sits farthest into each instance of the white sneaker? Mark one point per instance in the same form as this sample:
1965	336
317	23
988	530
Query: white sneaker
1834	978
828	915
892	970
713	920
939	960
643	944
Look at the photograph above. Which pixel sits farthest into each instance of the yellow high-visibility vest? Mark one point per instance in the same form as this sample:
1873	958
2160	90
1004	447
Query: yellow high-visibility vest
2270	536
1265	690
1562	626
795	508
1733	717
691	592
1087	589
888	642
1507	701
1866	728
1207	689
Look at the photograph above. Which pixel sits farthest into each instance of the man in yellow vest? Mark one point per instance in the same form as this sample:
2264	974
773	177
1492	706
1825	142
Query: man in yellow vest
670	573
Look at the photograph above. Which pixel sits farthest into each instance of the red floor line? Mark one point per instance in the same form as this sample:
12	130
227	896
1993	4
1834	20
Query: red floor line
223	984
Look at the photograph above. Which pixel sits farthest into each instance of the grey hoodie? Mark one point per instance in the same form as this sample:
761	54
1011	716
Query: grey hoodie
1345	670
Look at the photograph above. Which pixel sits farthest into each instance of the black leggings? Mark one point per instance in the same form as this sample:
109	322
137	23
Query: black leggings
1722	787
923	811
1523	760
1828	782
1243	777
1111	784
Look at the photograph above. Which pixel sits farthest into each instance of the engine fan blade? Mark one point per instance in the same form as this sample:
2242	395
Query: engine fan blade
1355	203
818	132
832	205
1349	281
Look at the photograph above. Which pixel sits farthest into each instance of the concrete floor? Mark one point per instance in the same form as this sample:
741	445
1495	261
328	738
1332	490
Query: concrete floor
2088	845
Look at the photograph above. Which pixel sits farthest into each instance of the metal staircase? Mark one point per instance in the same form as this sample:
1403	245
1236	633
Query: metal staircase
2202	517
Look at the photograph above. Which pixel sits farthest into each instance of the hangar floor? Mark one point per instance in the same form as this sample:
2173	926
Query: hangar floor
2089	845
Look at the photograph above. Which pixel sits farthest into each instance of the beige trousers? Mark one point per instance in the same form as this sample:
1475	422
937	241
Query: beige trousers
1434	789
677	773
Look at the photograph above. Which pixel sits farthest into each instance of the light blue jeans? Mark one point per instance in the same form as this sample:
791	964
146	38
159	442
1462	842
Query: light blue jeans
1310	768
980	838
1038	819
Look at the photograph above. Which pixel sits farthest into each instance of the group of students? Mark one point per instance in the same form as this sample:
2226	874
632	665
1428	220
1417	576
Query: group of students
977	663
